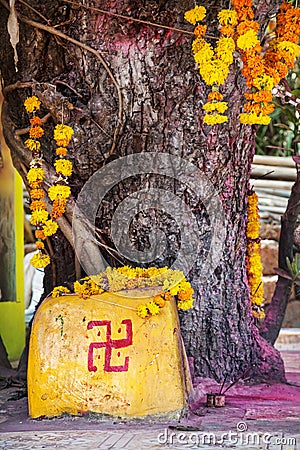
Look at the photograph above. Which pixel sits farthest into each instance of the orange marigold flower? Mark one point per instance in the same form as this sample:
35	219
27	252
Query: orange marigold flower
285	6
36	132
282	69
260	96
39	234
247	25
40	245
200	30
37	204
35	120
58	208
167	296
159	301
215	95
61	151
227	30
186	294
36	194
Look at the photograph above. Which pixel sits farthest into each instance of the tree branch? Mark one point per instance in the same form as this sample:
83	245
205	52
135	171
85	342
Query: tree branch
272	324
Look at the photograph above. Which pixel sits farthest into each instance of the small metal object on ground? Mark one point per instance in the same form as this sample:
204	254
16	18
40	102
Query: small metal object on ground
217	400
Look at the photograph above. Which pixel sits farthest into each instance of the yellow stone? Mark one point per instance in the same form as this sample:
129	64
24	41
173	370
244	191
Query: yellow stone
97	355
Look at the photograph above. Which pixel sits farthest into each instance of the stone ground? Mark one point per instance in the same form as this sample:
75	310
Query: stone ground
265	417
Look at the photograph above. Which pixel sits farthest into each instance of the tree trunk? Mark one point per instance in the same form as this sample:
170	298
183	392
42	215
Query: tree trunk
142	94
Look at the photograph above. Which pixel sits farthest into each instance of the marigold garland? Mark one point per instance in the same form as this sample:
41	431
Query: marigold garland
253	260
60	192
172	283
35	178
214	63
262	71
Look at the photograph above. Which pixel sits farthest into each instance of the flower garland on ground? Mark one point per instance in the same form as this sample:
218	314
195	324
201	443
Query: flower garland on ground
36	174
172	283
253	261
213	63
262	72
58	193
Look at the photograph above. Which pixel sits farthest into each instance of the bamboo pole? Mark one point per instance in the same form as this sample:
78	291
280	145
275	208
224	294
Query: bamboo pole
280	161
274	172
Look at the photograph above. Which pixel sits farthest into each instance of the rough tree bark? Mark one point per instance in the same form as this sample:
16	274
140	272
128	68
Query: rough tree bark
142	94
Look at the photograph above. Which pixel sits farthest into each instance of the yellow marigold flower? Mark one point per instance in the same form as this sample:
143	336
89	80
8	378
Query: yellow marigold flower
215	72
61	151
220	107
40	261
153	308
186	304
290	47
248	40
254	119
63	134
63	166
253	230
86	287
49	228
225	44
200	30
213	119
59	190
35	120
36	194
34	146
264	82
142	311
35	174
195	15
32	104
227	17
205	54
198	44
36	132
258	314
40	245
38	216
60	290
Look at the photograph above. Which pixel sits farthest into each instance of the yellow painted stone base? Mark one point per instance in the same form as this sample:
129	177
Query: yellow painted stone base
98	356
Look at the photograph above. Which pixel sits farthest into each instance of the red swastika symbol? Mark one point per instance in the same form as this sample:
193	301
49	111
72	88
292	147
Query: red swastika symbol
109	344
